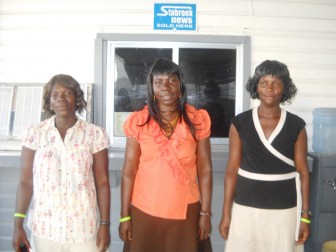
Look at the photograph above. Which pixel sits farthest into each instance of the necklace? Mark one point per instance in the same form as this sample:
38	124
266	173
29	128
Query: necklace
170	126
174	122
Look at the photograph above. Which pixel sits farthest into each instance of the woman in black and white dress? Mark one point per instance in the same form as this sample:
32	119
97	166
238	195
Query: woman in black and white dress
266	200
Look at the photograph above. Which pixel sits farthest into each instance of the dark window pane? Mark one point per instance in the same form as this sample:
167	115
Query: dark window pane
210	77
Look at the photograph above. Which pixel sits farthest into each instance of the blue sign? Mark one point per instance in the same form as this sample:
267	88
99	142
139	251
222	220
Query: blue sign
175	16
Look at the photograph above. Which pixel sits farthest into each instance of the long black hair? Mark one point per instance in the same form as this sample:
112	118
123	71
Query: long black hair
160	67
276	69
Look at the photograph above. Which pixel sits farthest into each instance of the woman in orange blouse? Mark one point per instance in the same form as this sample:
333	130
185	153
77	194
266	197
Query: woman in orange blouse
167	174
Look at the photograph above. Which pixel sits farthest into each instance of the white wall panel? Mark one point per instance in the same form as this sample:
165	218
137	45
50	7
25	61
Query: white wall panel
40	38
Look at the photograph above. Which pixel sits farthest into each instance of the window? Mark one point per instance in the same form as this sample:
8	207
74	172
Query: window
215	71
21	106
6	96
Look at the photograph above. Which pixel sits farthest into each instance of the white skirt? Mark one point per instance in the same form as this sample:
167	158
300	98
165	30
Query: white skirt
262	230
41	245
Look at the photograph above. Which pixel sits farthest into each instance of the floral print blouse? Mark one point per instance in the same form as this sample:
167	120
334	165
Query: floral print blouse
64	205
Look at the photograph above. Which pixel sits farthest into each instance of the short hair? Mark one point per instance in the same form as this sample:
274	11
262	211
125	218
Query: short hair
275	69
69	82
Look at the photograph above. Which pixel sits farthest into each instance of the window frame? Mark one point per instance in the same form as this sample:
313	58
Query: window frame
104	57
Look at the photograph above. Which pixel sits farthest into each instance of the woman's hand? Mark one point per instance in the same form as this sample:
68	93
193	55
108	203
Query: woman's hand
304	233
204	227
224	227
125	231
19	237
103	238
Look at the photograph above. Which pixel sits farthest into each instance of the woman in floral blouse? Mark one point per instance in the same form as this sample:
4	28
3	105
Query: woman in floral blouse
167	178
64	177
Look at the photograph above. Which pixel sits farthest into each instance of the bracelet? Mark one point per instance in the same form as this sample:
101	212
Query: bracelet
105	223
20	215
307	212
305	220
127	218
205	214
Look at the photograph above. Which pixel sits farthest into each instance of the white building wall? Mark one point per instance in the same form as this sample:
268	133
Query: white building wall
41	38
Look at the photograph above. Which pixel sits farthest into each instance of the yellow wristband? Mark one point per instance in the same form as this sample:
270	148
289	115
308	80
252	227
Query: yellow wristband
305	220
127	218
20	215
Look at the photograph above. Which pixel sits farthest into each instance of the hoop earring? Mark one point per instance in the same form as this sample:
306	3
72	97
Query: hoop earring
154	98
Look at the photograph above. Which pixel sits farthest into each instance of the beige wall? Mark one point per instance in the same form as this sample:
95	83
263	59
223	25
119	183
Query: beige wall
40	38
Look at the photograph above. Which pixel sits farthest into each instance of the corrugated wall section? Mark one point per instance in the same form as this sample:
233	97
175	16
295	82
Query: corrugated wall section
40	38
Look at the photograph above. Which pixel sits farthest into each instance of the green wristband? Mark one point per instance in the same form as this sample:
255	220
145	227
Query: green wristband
20	215
127	218
305	220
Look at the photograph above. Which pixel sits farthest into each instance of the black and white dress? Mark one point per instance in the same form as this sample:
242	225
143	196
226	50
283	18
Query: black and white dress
266	204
